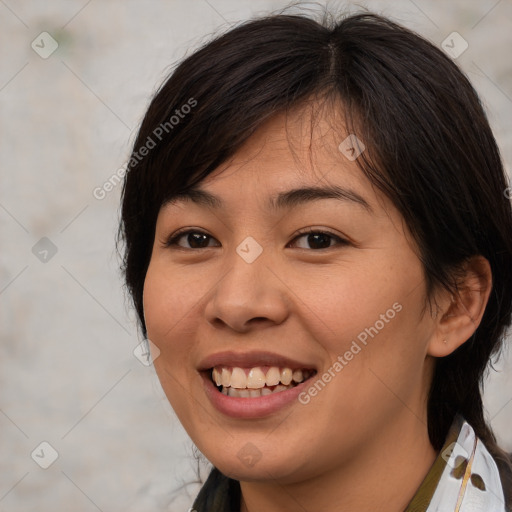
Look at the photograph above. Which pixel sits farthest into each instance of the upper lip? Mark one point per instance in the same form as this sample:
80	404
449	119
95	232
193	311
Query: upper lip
251	360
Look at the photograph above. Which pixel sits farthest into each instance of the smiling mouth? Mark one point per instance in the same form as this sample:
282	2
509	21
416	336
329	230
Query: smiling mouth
258	381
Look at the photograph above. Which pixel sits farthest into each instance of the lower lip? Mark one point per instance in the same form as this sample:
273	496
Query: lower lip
257	407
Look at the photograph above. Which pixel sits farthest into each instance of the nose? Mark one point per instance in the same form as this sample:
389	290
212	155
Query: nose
250	295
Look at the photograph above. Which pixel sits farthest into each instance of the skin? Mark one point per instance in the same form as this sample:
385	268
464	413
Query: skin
367	429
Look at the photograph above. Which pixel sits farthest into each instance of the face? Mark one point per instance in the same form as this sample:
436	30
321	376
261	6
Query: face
264	290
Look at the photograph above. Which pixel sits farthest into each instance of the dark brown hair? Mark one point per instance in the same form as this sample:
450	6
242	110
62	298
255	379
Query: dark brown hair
429	149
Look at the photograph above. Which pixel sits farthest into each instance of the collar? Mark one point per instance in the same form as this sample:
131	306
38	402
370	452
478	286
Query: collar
470	480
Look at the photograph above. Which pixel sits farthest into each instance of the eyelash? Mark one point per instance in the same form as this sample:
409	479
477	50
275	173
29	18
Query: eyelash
173	239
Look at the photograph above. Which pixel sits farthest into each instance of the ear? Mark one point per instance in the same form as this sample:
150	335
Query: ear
460	314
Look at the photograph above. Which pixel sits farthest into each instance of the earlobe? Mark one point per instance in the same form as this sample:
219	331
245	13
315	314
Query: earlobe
460	313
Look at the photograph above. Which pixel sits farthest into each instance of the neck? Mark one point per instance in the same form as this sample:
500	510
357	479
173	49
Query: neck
384	476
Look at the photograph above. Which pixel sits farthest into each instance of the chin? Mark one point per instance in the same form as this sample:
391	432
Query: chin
251	465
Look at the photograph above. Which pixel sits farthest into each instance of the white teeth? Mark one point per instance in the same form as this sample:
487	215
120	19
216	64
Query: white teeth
286	376
226	377
297	376
253	393
216	377
256	378
238	378
273	376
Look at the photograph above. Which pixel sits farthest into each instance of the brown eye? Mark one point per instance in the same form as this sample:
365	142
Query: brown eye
195	239
316	240
320	239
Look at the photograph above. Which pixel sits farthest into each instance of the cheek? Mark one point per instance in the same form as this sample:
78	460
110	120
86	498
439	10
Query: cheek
372	319
168	300
168	311
166	308
372	300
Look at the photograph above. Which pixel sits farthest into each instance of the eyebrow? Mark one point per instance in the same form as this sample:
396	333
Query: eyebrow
289	199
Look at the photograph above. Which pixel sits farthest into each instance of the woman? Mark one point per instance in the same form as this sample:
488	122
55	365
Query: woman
318	243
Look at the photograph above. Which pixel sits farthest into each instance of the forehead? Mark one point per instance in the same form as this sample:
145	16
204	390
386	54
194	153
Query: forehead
291	159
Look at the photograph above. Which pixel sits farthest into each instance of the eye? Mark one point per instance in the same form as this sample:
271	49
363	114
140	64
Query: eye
195	239
319	239
199	240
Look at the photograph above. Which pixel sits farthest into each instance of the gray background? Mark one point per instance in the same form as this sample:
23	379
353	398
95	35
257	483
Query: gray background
68	374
